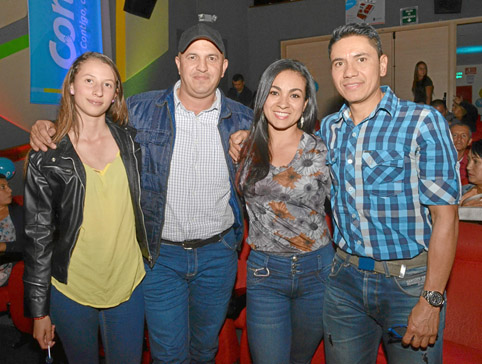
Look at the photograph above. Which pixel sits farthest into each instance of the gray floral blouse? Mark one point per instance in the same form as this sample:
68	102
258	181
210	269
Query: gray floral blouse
286	211
7	234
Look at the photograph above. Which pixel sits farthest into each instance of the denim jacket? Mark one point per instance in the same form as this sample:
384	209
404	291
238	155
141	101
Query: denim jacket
152	114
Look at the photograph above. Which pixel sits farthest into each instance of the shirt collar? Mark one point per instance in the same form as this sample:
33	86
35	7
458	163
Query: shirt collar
177	103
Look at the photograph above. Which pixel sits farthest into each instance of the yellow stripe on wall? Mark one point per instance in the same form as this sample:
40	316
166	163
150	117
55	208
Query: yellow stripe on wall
120	38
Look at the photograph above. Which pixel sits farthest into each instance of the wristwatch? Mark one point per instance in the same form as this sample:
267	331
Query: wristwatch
436	299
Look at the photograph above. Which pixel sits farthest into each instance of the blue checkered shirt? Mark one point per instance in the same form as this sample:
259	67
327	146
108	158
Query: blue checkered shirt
385	172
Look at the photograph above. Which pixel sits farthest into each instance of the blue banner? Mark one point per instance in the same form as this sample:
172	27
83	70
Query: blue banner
59	31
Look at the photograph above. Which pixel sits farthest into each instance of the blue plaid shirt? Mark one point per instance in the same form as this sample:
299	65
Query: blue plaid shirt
385	172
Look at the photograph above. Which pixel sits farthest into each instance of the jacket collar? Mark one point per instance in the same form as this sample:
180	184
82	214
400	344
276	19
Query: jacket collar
168	97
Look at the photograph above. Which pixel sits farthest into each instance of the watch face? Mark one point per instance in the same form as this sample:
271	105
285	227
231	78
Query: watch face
435	298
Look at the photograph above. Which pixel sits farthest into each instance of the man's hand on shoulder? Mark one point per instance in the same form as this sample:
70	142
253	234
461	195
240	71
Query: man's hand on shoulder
40	135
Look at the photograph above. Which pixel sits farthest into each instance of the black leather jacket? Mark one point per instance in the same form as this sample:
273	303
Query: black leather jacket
54	202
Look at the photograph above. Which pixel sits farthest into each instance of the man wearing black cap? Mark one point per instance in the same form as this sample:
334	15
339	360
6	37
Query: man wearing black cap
192	214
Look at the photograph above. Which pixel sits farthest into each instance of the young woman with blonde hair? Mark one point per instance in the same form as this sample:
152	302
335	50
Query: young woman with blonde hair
86	236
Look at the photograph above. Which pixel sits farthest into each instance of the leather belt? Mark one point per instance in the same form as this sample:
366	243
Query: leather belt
197	243
396	268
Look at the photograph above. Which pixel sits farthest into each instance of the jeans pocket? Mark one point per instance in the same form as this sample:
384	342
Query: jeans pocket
413	281
229	241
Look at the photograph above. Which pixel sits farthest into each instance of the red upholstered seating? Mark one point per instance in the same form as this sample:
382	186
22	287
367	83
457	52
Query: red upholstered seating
11	299
463	328
11	295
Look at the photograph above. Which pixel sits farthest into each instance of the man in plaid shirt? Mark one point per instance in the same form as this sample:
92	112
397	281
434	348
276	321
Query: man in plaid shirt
394	197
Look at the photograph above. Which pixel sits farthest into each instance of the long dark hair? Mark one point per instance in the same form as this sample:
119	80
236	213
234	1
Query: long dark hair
255	155
415	74
476	148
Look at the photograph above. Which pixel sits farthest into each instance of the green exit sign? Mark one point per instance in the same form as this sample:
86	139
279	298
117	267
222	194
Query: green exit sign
409	15
458	75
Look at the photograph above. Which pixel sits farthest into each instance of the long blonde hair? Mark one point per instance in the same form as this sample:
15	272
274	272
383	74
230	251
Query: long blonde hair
68	117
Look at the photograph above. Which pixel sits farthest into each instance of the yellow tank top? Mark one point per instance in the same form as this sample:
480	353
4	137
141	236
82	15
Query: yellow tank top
106	264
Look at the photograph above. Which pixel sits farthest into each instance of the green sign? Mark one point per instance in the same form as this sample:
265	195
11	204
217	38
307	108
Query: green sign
409	15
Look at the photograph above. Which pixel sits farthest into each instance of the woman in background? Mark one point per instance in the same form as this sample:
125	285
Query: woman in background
12	237
472	193
84	258
284	180
422	87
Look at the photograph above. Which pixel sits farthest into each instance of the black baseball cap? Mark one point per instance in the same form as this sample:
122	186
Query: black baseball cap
200	31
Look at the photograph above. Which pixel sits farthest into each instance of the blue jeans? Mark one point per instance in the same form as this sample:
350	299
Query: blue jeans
187	294
285	305
361	306
121	327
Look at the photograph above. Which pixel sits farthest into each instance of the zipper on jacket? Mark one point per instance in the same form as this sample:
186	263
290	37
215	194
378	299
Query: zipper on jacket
83	206
149	258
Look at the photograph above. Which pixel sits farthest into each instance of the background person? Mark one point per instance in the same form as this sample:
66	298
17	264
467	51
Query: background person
473	193
240	92
284	181
12	234
442	108
422	86
465	112
83	259
462	137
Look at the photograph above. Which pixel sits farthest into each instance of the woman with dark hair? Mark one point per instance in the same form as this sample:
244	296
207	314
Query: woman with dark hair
472	193
84	258
422	86
284	180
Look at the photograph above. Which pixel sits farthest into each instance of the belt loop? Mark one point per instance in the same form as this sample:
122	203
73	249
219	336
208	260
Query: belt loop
347	258
385	268
266	261
263	271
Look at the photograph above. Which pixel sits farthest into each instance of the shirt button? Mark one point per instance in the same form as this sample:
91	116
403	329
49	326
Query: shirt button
350	161
353	135
295	258
358	242
351	189
353	216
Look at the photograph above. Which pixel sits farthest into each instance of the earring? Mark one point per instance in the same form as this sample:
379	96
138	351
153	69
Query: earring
113	100
302	121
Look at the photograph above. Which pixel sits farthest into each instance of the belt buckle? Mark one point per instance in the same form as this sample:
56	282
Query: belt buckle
187	244
365	263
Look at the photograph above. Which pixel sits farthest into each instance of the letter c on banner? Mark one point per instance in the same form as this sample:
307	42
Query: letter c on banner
68	40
